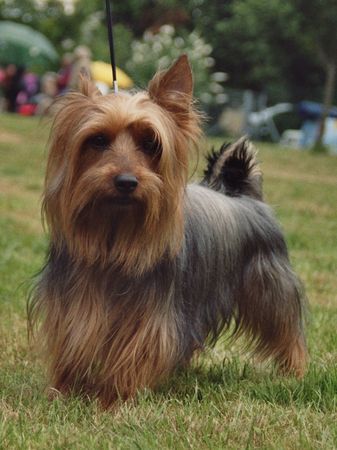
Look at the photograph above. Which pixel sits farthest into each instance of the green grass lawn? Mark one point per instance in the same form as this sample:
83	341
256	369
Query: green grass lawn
225	400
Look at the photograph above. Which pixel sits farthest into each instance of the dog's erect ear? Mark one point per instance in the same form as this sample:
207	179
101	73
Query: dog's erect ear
173	86
87	87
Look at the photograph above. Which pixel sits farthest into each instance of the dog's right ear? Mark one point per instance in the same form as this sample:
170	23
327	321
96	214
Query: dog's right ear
87	87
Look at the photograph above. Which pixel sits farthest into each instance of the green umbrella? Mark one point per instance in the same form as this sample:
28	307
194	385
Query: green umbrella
21	45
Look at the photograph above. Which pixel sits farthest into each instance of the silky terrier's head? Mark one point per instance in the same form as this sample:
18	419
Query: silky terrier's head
117	170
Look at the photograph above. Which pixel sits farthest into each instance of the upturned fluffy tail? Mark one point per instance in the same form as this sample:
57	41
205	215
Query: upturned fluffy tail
233	170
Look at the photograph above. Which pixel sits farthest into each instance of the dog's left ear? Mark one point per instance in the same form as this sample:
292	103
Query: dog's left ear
173	88
87	87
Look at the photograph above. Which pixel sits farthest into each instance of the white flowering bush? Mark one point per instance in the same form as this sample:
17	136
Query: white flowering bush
158	51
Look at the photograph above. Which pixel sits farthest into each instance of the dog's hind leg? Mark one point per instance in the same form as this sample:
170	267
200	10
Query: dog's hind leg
271	312
269	298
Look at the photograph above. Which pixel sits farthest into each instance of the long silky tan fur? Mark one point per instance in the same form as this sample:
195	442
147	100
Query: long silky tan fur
128	294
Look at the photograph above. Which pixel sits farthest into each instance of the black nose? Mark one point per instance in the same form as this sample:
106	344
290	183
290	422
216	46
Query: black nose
126	183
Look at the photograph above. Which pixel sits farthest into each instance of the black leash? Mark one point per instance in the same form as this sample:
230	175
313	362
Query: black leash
111	46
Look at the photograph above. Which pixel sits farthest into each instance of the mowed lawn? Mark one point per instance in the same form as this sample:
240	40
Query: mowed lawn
225	400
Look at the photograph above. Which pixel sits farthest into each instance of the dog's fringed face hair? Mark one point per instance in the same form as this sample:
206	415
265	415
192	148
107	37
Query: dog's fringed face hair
117	170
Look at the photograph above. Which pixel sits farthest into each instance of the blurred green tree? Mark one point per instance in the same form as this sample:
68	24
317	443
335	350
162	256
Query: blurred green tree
260	44
49	17
318	19
286	46
158	50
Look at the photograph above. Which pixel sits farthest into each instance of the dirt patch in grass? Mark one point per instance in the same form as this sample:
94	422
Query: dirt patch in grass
304	177
11	138
14	187
22	205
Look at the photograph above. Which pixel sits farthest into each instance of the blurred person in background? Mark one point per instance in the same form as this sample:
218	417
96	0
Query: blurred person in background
49	90
81	65
64	74
13	83
25	100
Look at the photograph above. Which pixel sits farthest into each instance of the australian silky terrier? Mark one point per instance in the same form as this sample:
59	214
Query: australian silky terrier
144	269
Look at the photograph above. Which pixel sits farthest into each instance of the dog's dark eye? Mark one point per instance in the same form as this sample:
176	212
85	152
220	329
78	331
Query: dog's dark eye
98	141
150	145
